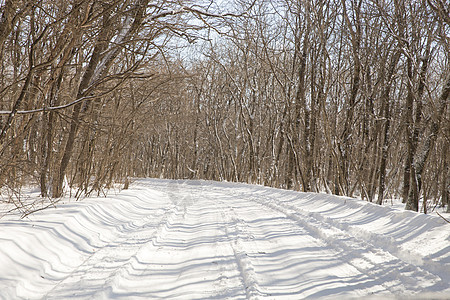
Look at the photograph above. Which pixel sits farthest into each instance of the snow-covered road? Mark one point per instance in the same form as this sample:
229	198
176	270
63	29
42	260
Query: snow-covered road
167	239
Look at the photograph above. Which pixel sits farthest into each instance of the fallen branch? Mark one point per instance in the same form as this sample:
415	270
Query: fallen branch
442	217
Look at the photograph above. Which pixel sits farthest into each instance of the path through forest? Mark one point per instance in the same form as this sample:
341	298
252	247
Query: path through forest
167	239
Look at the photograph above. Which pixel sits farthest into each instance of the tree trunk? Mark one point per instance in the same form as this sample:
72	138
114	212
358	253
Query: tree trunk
421	157
387	117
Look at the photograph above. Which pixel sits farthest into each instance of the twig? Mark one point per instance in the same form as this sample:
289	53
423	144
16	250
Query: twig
52	204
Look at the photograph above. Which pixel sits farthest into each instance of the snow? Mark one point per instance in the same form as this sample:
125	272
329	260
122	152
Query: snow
165	239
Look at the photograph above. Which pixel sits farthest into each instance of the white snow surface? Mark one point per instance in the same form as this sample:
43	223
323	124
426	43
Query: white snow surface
165	239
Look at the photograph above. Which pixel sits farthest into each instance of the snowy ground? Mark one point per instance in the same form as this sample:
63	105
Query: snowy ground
202	240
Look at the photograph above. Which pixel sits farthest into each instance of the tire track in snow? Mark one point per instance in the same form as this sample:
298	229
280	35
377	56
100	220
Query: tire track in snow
387	243
232	231
243	262
375	262
250	274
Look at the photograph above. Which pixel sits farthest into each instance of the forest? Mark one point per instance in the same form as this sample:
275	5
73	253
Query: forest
348	97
